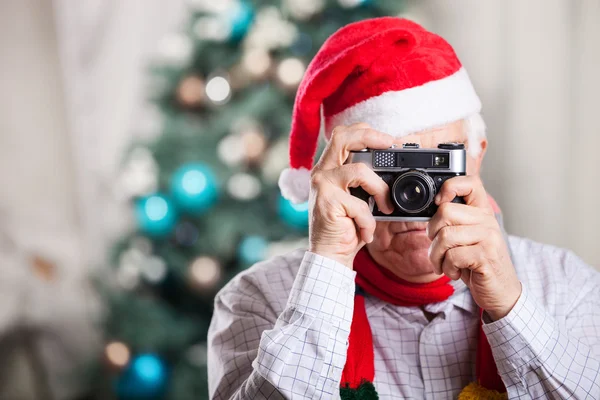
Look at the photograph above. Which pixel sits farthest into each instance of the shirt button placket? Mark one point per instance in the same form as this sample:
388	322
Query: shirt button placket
425	347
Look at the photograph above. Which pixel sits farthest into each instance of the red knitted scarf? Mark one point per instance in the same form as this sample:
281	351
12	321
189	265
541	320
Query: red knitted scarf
359	371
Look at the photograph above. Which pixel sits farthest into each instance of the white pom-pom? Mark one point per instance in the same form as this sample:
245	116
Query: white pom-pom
295	184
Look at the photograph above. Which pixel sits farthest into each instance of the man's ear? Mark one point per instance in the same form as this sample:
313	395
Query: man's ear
474	163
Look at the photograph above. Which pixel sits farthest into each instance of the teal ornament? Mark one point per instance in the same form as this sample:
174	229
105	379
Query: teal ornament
155	215
295	215
194	188
145	378
252	249
360	3
240	20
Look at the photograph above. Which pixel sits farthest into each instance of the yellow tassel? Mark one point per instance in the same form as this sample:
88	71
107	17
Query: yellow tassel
474	391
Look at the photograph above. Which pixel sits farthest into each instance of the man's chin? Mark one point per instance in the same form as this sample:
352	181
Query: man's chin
412	247
409	263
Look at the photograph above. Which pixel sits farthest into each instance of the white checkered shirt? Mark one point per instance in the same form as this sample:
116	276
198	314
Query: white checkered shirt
280	330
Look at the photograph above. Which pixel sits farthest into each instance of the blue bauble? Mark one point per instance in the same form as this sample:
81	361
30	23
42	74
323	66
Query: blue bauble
240	19
362	3
155	215
194	188
252	249
146	377
295	215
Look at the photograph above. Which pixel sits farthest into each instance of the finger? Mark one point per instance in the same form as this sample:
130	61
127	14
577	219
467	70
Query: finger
468	187
451	271
355	175
359	211
466	277
450	237
412	138
345	139
452	214
461	258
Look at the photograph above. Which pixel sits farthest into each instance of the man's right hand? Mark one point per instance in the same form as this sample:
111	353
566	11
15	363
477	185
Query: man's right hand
340	224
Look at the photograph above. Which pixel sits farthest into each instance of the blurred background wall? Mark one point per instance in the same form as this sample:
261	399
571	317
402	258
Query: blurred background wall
45	317
71	83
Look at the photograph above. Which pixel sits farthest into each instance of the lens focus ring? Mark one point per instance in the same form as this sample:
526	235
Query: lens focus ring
413	191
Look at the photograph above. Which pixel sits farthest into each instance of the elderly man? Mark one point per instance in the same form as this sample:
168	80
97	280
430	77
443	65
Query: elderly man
364	313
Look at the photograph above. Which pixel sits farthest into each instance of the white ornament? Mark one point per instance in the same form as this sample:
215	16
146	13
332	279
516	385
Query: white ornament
175	50
303	9
218	90
131	256
256	61
154	269
270	31
136	262
213	28
139	177
244	186
231	150
128	275
275	161
290	71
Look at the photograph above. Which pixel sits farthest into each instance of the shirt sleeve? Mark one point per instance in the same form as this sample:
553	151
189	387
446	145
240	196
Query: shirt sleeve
540	356
298	356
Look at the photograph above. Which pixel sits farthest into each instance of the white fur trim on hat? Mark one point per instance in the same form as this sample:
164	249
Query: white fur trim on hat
400	113
295	184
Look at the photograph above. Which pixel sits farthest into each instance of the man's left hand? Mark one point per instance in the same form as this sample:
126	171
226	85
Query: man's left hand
467	243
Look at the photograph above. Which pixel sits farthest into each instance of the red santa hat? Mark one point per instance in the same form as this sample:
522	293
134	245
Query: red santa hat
388	72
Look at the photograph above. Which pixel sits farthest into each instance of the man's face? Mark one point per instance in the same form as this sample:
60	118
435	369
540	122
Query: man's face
403	246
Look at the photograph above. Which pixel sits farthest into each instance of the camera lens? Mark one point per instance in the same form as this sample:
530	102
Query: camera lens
413	191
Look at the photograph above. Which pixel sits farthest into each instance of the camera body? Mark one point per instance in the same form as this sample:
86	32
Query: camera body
414	176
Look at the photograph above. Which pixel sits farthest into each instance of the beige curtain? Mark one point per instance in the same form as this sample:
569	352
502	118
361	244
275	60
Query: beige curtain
104	49
535	64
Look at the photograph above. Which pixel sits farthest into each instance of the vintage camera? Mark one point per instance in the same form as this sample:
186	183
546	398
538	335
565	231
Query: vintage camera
414	176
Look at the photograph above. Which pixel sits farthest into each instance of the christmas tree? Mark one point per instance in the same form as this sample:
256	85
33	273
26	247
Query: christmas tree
204	191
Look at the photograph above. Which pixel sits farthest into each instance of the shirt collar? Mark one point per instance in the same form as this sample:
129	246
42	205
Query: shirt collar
461	298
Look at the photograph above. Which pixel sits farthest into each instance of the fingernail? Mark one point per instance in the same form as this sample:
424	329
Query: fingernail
437	199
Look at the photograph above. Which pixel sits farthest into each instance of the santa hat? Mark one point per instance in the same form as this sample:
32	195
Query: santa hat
388	72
